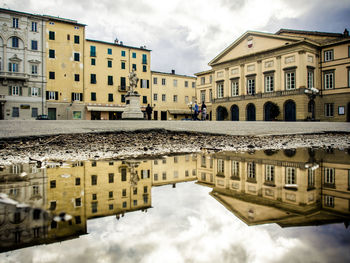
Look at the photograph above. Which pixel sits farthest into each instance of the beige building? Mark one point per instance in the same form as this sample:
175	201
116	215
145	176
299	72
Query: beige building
173	95
107	69
65	68
305	74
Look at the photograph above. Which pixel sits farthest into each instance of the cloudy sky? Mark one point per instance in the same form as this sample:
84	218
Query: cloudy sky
185	35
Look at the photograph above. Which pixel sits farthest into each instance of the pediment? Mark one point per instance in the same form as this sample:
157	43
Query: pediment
14	58
250	43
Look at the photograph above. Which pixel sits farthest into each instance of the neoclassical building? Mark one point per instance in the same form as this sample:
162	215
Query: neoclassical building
22	65
305	73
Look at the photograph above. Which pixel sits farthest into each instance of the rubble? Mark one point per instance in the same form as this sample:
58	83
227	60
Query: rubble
158	142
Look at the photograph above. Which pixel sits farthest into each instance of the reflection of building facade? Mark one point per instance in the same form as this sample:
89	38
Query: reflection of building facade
304	73
291	187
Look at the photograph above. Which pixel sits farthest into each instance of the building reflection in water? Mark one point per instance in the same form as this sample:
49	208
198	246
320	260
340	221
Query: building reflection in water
288	187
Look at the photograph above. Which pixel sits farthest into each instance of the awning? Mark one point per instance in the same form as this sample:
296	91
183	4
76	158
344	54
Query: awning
101	108
180	111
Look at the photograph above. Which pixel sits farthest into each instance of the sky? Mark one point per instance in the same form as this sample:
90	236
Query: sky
185	35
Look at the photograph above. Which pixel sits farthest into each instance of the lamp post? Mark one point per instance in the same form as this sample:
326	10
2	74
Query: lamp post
311	93
190	106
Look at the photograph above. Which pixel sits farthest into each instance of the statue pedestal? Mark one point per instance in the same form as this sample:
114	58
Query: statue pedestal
132	110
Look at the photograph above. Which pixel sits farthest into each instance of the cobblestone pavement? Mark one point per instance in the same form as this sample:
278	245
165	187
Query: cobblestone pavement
37	128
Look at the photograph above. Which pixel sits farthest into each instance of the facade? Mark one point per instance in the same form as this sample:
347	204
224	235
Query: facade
204	90
65	69
107	68
305	74
22	65
173	95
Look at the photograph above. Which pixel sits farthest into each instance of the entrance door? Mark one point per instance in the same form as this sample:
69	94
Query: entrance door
251	112
51	113
155	115
289	111
163	115
235	113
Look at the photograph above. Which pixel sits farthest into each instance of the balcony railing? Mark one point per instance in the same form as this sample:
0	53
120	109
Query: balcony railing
14	75
122	88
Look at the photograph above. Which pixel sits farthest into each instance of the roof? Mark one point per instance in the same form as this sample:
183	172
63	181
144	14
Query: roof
209	71
115	44
305	32
4	10
171	74
64	20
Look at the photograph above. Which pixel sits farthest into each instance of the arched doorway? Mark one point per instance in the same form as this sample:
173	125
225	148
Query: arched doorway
290	111
251	112
221	113
234	113
267	111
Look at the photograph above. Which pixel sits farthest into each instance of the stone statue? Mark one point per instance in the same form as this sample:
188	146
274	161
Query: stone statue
133	79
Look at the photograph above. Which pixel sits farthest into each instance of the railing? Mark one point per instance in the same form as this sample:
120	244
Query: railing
14	75
122	88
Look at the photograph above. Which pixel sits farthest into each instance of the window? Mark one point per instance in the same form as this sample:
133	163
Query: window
109	63
163	82
155	80
122	98
134	67
93	62
68	36
15	91
34	69
251	86
110	80
144	68
110	97
51	53
186	84
111	178
290	80
77	96
269	83
123	83
53	184
51	35
251	171
51	75
51	95
77	181
76	77
175	83
235	168
234	88
93	78
269	173
93	96
155	97
186	99
34	92
110	194
34	45
15	112
123	53
310	79
328	55
133	55
15	41
144	59
34	26
329	80
221	166
210	95
15	22
76	39
175	98
76	57
202	80
93	179
123	65
329	176
220	90
163	97
13	67
109	51
291	175
329	109
202	96
144	83
92	51
144	99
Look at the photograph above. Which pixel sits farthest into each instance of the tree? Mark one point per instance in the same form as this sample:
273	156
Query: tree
274	111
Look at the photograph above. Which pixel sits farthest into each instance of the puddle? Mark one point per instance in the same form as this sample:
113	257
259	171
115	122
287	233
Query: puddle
260	206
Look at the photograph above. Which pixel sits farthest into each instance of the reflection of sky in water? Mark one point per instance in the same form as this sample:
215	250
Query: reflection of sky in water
187	225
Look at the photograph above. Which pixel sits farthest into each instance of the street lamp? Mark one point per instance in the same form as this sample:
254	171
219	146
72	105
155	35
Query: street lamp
311	93
190	106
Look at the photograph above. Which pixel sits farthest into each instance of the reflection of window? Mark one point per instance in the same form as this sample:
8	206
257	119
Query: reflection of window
329	201
311	178
251	170
203	161
53	184
235	169
221	167
93	179
94	207
123	171
290	175
269	173
77	202
111	177
329	175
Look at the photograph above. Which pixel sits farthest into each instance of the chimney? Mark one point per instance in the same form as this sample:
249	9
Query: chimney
173	71
346	33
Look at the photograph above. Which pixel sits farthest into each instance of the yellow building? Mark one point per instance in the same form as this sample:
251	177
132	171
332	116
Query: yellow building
204	90
107	67
303	73
65	68
172	95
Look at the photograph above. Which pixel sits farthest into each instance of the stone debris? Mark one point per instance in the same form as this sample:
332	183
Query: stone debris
139	144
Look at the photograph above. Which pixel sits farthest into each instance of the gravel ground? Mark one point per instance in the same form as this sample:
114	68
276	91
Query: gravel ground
157	142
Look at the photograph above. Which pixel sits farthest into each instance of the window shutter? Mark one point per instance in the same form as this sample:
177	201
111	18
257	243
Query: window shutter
39	91
148	84
10	91
81	96
20	91
56	95
141	83
29	91
72	96
47	95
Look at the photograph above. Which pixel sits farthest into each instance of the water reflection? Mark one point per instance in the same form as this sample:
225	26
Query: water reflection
297	187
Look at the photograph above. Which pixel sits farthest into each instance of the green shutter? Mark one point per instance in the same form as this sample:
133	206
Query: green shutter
29	91
39	91
20	91
81	96
72	96
56	95
148	84
47	95
10	91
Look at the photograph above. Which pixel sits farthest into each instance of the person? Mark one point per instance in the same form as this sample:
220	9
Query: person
196	111
149	112
204	111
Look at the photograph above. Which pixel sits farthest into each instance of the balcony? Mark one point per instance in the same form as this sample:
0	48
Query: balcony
14	76
2	98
